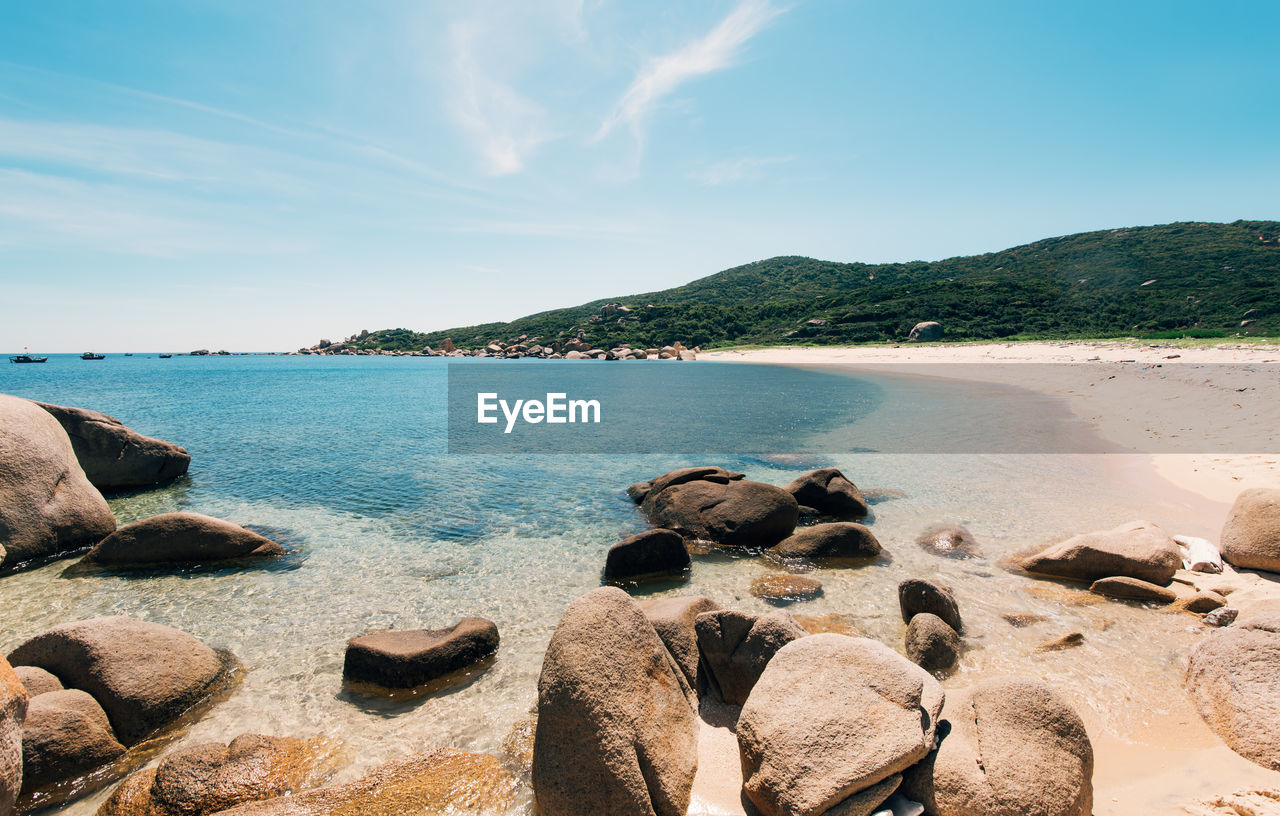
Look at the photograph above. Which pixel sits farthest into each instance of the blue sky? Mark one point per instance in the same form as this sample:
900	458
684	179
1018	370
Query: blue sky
258	175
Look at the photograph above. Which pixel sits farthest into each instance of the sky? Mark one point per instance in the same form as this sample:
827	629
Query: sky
258	175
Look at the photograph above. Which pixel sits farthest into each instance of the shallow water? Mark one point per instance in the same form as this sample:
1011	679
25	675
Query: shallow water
342	458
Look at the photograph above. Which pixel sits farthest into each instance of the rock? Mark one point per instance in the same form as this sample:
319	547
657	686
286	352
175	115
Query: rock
950	541
839	539
686	354
37	681
113	455
681	476
1201	554
13	710
142	674
180	538
737	646
638	491
1021	620
1251	536
213	777
439	782
66	735
833	716
916	595
1015	748
1233	677
1202	602
828	491
784	587
730	513
926	332
653	553
616	731
47	506
408	659
837	622
1067	641
931	643
1138	549
673	620
1124	588
1222	616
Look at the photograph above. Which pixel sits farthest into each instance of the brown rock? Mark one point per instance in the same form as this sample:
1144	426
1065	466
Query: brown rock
142	674
651	554
114	456
36	681
831	717
1021	620
1138	549
66	735
1067	641
1233	678
840	539
408	659
951	541
732	513
1124	588
13	710
181	538
1202	602
931	643
828	491
1015	748
616	731
783	587
916	595
692	474
736	647
673	620
47	506
1251	536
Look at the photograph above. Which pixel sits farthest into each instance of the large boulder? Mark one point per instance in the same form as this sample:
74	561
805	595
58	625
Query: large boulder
830	724
737	646
830	492
213	777
180	538
1138	549
13	709
616	730
66	735
916	595
926	332
1251	536
651	554
673	619
1015	748
441	781
410	658
47	506
113	455
733	513
838	539
1233	677
142	674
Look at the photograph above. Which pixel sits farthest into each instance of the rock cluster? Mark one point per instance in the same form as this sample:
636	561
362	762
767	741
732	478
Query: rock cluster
575	348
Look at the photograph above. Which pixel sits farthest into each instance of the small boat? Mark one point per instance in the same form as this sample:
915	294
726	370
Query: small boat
128	354
89	355
165	356
27	358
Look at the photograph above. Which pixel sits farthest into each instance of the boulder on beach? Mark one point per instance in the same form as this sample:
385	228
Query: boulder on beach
833	717
830	492
47	506
673	619
180	538
837	539
1124	588
617	732
652	554
36	680
783	587
1251	536
737	646
926	332
144	675
1138	549
950	541
213	777
729	512
440	781
931	643
410	658
13	710
66	735
113	455
916	595
1014	748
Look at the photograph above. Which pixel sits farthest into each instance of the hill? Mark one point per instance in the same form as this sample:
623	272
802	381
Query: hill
1195	279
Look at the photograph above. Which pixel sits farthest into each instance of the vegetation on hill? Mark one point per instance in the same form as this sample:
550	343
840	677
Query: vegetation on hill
1171	280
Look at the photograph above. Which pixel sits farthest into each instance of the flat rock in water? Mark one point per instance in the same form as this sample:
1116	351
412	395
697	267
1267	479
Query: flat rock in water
1067	641
1021	620
66	734
916	595
1138	549
411	658
1251	536
673	620
830	492
783	587
113	455
653	553
737	646
181	538
1124	588
13	709
949	541
838	539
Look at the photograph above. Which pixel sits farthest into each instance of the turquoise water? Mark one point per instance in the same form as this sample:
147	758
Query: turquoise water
342	458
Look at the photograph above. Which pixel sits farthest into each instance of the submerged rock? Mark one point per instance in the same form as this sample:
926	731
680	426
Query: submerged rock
673	620
1138	549
931	644
180	538
653	553
66	734
1124	588
733	513
840	539
784	587
916	595
47	506
13	710
1067	641
828	491
113	455
411	658
950	541
737	646
616	729
1251	536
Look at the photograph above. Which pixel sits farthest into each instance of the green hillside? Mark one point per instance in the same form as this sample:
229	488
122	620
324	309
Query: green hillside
1197	279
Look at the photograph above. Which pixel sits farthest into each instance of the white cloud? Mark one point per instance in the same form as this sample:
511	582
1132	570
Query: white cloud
663	75
729	171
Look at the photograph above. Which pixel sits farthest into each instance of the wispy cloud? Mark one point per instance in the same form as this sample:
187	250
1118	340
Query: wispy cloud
729	171
663	75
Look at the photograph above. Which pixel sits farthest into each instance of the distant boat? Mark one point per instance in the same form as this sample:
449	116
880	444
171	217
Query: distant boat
89	355
128	354
165	356
27	358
